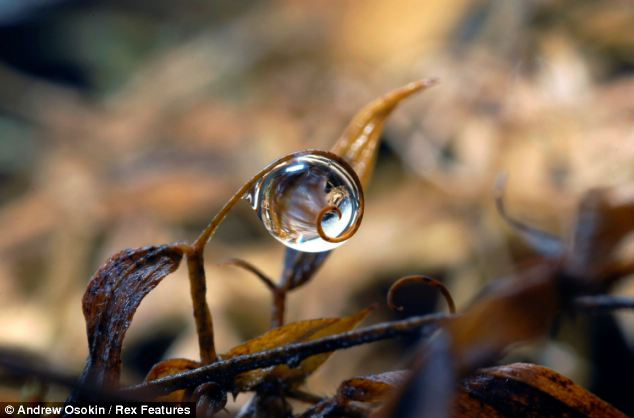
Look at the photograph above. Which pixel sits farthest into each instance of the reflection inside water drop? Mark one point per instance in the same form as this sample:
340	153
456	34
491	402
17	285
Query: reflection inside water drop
290	198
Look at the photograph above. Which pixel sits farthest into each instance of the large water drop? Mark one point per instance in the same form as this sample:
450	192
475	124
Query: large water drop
297	194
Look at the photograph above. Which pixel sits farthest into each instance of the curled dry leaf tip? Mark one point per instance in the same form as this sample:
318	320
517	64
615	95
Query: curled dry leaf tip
403	281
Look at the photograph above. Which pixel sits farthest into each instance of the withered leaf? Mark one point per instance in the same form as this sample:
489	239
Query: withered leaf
111	300
292	333
359	145
527	390
366	389
372	388
299	267
605	216
170	367
516	309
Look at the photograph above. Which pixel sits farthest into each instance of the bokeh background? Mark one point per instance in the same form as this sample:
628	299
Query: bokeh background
128	123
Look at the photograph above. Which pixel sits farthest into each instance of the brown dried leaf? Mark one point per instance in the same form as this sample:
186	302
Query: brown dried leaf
292	333
527	390
170	367
516	309
604	218
372	388
111	299
359	143
299	267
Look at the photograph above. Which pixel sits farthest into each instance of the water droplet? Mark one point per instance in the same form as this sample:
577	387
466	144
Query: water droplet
297	194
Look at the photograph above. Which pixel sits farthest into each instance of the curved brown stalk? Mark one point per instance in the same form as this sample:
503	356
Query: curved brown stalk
403	281
208	232
195	262
202	314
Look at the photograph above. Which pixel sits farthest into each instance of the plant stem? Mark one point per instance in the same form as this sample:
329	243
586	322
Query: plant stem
224	370
278	308
202	314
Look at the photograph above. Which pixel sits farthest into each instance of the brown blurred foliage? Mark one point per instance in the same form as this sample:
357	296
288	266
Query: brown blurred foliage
124	124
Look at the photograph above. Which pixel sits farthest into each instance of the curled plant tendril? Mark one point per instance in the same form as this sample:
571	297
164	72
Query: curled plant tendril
322	233
300	203
419	279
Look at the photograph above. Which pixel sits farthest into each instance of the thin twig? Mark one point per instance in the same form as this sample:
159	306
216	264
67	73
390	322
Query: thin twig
202	314
224	370
278	308
603	303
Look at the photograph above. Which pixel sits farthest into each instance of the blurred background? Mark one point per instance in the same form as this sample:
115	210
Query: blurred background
128	123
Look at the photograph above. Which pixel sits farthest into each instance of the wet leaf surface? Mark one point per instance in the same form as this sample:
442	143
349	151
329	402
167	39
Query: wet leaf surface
527	390
111	300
